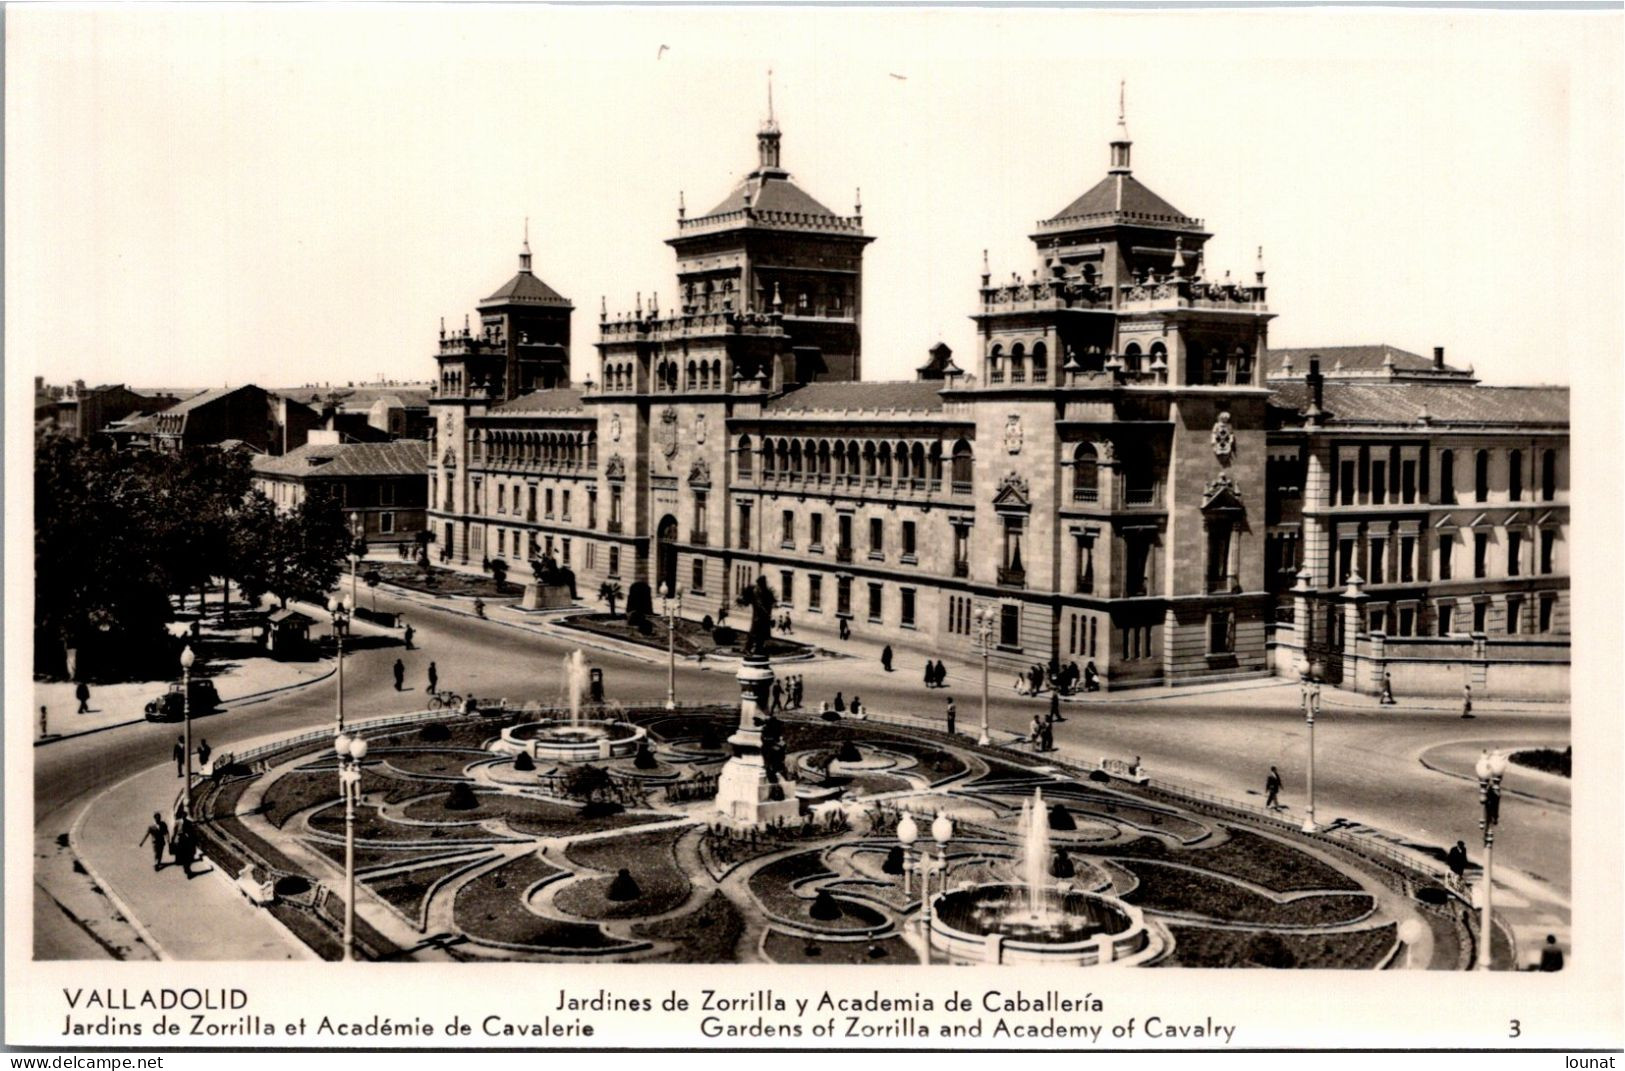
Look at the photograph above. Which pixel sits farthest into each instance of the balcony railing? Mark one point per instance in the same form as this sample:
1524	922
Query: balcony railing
961	569
843	554
960	487
1012	576
1086	494
1140	496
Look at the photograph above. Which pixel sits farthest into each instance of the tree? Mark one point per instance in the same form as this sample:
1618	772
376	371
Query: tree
586	781
371	578
499	571
610	591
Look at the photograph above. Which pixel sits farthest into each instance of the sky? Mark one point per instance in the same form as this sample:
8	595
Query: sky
278	194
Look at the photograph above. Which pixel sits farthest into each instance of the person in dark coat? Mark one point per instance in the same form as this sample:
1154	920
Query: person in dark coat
1551	957
953	712
840	704
179	753
1091	678
82	693
434	679
410	632
1456	859
846	629
930	673
885	658
158	833
185	848
778	697
400	674
1467	700
1272	790
203	753
857	708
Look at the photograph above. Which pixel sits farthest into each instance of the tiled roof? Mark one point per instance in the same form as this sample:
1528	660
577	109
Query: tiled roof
526	289
186	405
1120	193
860	396
357	398
773	192
1443	403
542	401
1352	358
403	457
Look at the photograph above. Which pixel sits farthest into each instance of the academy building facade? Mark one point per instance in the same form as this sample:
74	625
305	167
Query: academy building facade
1125	474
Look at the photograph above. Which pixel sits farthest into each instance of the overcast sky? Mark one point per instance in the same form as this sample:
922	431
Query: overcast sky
291	194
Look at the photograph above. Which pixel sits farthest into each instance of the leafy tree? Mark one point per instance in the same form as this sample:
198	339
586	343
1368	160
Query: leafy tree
610	591
586	781
499	571
371	578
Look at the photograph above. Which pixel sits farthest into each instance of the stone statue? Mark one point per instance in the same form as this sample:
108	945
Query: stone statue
759	597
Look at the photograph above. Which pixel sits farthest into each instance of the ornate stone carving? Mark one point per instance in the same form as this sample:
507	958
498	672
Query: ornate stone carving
699	473
668	431
614	427
1224	438
1012	433
1013	493
1106	452
699	429
1221	491
448	459
615	468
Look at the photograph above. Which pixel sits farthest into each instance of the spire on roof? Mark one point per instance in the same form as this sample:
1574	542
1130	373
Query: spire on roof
524	250
1121	143
767	138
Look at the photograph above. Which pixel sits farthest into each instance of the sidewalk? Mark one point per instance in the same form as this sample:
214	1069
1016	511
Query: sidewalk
204	918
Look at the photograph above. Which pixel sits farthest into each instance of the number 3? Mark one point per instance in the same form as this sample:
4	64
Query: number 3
1516	1030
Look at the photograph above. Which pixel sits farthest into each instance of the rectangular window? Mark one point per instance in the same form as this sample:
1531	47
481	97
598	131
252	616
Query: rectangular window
874	602
1446	542
787	535
566	510
386	494
1548	545
1379	482
877	537
907	609
502	498
1086	565
549	503
843	596
1446	613
386	523
696	529
1515	475
1376	620
1345	560
697	580
1407	482
502	537
592	507
1514	614
1407	559
614	509
1407	621
1481	614
531	515
744	526
1221	632
908	540
1514	553
1481	553
1547	603
1377	574
565	543
817	534
1345	482
614	561
787	587
843	537
815	593
1138	579
1010	626
1447	476
961	550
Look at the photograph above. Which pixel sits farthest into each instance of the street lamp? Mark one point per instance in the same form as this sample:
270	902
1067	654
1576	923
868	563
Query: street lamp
671	604
1310	688
984	634
341	609
187	658
357	544
350	750
1490	769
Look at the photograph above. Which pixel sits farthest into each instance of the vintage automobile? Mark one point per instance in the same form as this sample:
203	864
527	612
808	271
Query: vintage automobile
169	707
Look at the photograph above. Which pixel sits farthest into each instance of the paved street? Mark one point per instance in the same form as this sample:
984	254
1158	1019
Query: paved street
1369	764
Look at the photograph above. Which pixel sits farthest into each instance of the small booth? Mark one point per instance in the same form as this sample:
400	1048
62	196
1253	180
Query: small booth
287	633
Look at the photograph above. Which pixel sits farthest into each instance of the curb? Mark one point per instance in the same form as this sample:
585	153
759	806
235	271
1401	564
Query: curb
1526	796
107	889
225	704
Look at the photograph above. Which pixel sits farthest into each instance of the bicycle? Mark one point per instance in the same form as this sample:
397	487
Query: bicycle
445	700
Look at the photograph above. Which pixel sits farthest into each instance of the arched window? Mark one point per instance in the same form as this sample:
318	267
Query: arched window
1040	363
917	463
1085	474
1515	475
885	461
809	457
823	458
853	466
795	457
1159	355
900	452
1548	475
769	460
964	462
693	376
995	364
716	373
1131	356
1018	363
869	460
784	457
936	463
744	453
1481	476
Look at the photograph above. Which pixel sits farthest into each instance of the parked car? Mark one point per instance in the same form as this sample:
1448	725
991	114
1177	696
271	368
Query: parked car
169	706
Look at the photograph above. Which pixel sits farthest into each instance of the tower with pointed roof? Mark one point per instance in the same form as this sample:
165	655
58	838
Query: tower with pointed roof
522	342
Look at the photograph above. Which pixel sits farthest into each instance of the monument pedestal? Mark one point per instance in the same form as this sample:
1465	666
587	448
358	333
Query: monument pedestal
544	597
745	792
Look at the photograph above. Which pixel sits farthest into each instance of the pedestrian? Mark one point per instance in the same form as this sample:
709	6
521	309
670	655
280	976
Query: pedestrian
1456	860
400	674
184	847
1387	699
953	712
1038	732
1036	676
410	632
1272	790
885	658
203	753
1072	676
1055	708
44	721
798	690
1091	678
82	693
1467	700
857	708
1021	684
1049	736
158	833
179	753
434	679
840	704
778	697
1551	957
846	630
930	673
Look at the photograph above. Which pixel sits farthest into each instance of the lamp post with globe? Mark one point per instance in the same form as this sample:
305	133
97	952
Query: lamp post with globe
187	659
671	604
1309	687
340	608
984	636
1490	768
350	751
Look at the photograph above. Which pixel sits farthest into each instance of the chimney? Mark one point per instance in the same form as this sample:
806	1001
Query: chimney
1315	413
39	384
1438	358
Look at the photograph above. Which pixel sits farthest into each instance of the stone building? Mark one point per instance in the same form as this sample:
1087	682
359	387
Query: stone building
380	486
1108	481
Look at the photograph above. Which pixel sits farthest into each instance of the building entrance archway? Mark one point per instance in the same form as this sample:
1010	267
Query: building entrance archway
665	554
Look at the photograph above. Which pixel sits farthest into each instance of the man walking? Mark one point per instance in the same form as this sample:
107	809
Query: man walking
82	693
179	753
434	679
1456	860
778	698
203	753
952	714
1467	700
1055	707
158	833
1038	732
885	658
409	633
400	674
1272	790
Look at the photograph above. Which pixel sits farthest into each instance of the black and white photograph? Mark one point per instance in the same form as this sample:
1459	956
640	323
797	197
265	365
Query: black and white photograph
788	527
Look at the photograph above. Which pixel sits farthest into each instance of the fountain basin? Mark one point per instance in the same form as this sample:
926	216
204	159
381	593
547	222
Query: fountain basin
571	741
996	922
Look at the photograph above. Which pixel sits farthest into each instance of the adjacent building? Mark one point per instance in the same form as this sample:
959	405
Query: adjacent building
264	421
1123	474
379	486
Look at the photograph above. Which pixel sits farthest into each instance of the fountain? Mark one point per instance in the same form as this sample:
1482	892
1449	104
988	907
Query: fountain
1035	919
575	739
